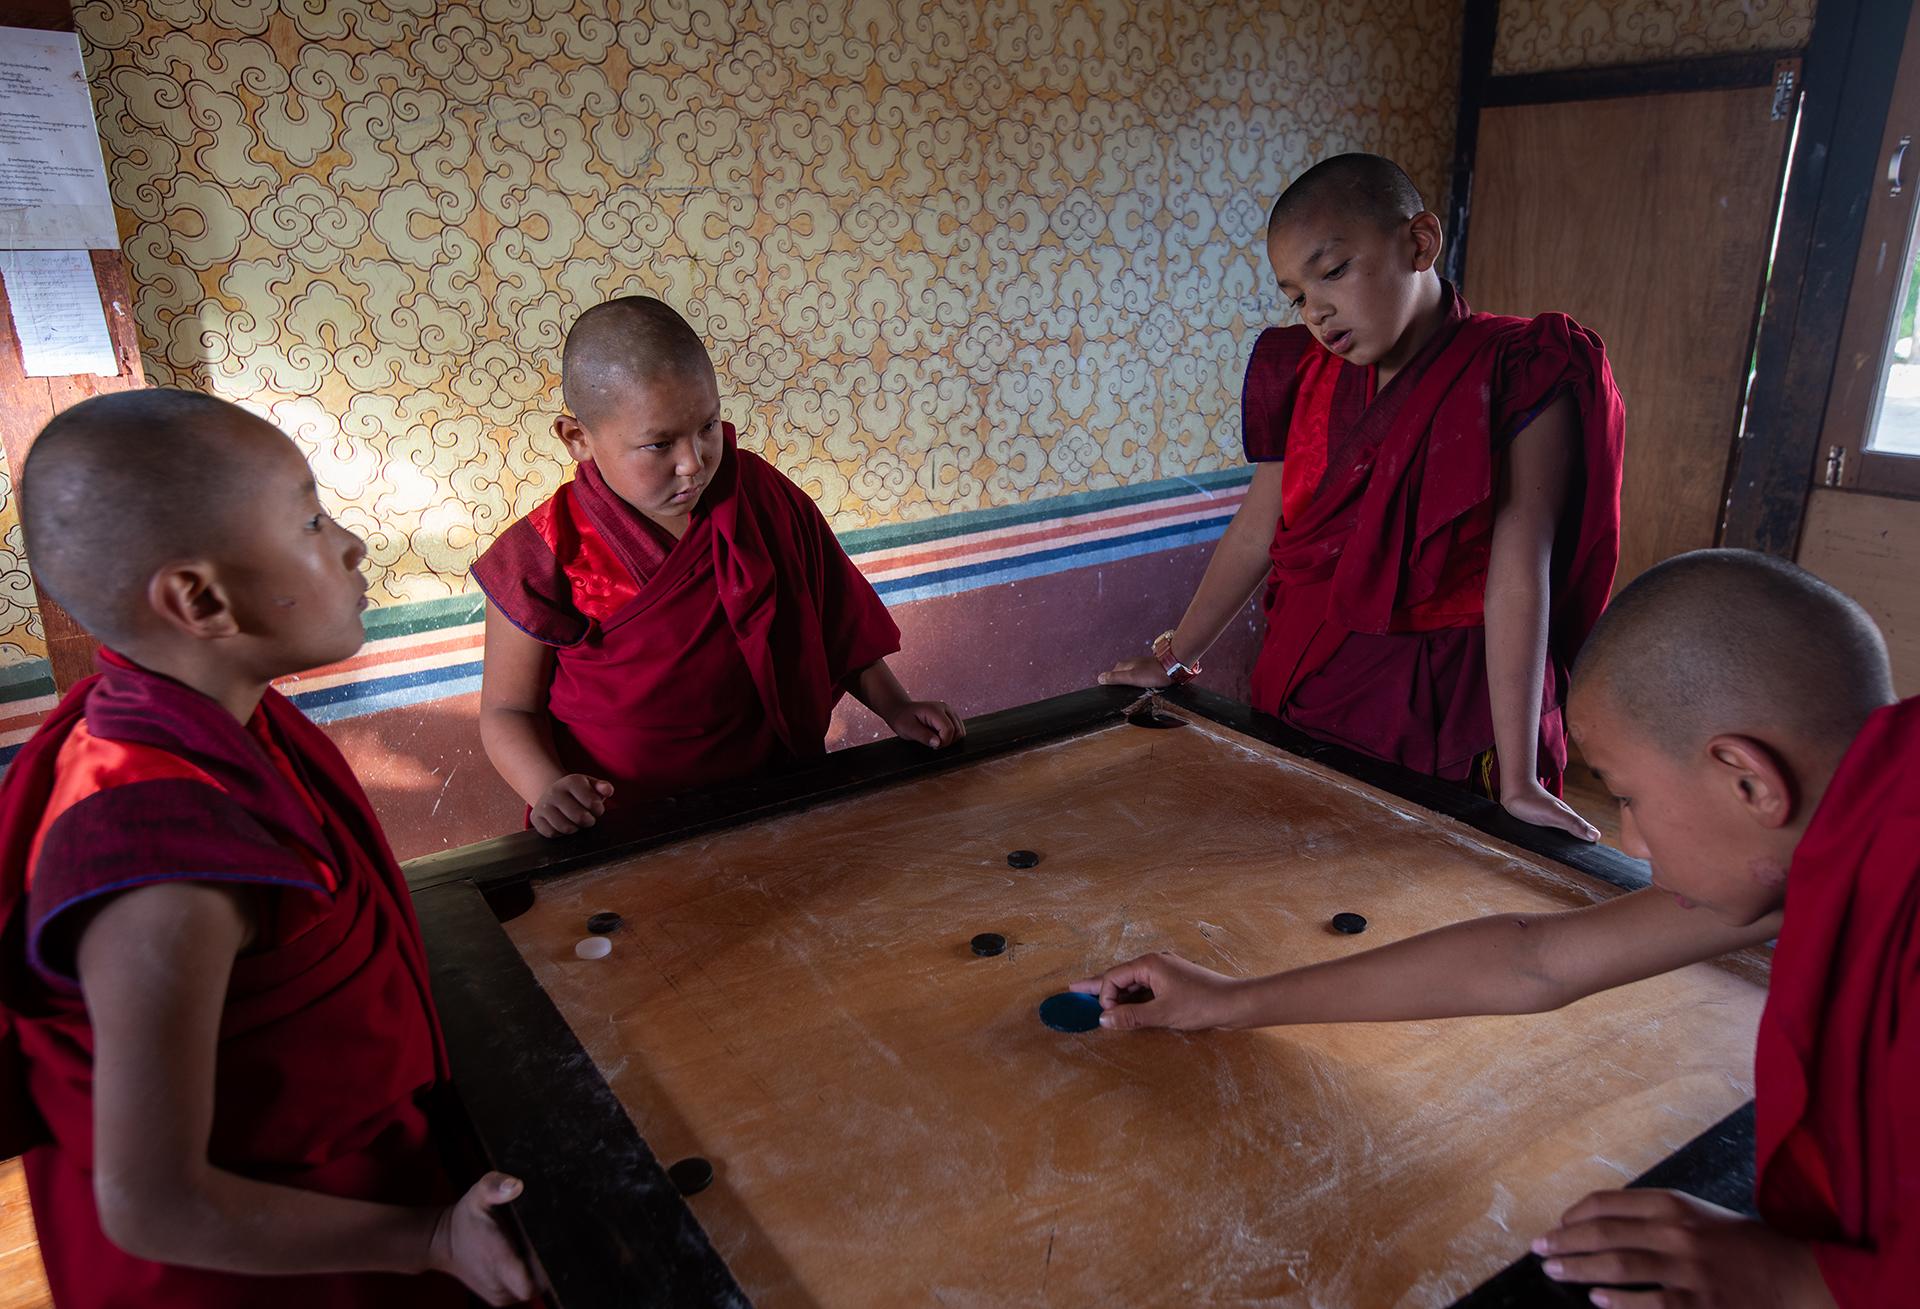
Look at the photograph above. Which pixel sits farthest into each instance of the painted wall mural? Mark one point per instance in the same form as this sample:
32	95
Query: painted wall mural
948	255
1537	36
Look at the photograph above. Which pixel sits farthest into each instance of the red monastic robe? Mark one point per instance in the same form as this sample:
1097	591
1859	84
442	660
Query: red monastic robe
1375	633
329	1048
1837	1095
687	664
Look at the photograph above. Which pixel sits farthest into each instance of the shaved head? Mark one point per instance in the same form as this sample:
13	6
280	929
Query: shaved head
1369	186
120	484
1730	642
622	344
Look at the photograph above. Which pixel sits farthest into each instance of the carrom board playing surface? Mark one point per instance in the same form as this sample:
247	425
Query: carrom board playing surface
794	999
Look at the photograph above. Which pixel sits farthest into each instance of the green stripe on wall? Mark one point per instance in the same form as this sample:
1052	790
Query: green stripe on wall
424	616
415	617
25	680
865	540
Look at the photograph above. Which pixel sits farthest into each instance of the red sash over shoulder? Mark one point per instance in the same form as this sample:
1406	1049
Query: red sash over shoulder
1387	521
683	664
329	1047
1838	1061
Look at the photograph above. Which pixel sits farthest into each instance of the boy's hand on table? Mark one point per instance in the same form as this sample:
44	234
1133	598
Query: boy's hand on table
1142	670
1164	990
571	803
1531	802
932	723
469	1243
1698	1255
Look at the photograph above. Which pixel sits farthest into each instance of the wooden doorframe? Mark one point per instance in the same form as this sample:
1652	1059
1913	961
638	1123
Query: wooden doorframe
1479	29
1875	294
1481	88
1851	60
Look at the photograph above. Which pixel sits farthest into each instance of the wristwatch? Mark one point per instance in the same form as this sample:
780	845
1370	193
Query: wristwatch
1169	662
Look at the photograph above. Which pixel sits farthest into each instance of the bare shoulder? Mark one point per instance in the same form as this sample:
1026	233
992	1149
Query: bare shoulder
148	937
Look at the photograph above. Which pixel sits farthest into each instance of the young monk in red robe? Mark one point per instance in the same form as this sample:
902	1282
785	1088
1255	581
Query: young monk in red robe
679	615
217	1046
1434	507
1743	714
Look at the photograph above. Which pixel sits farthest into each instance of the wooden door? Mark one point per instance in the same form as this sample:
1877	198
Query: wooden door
1647	219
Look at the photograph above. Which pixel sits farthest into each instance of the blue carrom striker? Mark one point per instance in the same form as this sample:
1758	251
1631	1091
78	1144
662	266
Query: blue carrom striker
1071	1011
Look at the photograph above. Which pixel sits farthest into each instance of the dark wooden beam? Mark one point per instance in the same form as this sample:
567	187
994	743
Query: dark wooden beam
1477	32
1714	73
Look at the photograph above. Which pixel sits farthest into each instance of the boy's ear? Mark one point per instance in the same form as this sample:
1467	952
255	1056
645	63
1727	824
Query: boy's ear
189	598
574	437
1428	239
1760	782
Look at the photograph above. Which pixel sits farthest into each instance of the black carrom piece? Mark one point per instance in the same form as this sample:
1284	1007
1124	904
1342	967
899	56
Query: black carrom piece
691	1175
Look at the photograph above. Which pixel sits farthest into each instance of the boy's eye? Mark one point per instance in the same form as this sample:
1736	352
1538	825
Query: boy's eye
1333	274
313	524
1297	301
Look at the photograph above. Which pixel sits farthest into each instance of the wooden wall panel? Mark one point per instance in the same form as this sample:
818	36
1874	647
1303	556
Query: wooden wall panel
26	403
1647	219
1868	546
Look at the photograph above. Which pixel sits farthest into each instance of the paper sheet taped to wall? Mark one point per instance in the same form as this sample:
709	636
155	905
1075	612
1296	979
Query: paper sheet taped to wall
56	313
53	187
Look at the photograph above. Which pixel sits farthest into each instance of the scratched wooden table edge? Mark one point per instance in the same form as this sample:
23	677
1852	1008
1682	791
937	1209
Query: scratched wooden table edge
456	893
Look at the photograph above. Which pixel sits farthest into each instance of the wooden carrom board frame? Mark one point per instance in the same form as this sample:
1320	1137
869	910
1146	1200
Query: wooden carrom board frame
603	1221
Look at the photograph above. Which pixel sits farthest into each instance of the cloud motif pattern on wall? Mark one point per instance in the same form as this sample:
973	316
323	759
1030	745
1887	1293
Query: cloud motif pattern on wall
947	255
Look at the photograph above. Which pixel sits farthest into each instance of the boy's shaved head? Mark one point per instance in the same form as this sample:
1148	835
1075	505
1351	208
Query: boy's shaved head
120	484
1731	642
624	343
1369	185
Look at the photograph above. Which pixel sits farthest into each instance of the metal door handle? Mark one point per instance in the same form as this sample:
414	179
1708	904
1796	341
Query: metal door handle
1897	165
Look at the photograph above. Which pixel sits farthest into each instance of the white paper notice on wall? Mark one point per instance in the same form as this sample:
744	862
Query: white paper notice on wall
53	186
56	313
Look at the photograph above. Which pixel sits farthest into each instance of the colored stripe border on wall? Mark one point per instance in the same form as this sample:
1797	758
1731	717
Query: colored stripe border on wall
429	650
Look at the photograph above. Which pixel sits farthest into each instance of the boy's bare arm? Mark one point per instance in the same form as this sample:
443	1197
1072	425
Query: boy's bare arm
932	723
1506	964
1528	499
154	964
517	732
514	726
1239	564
